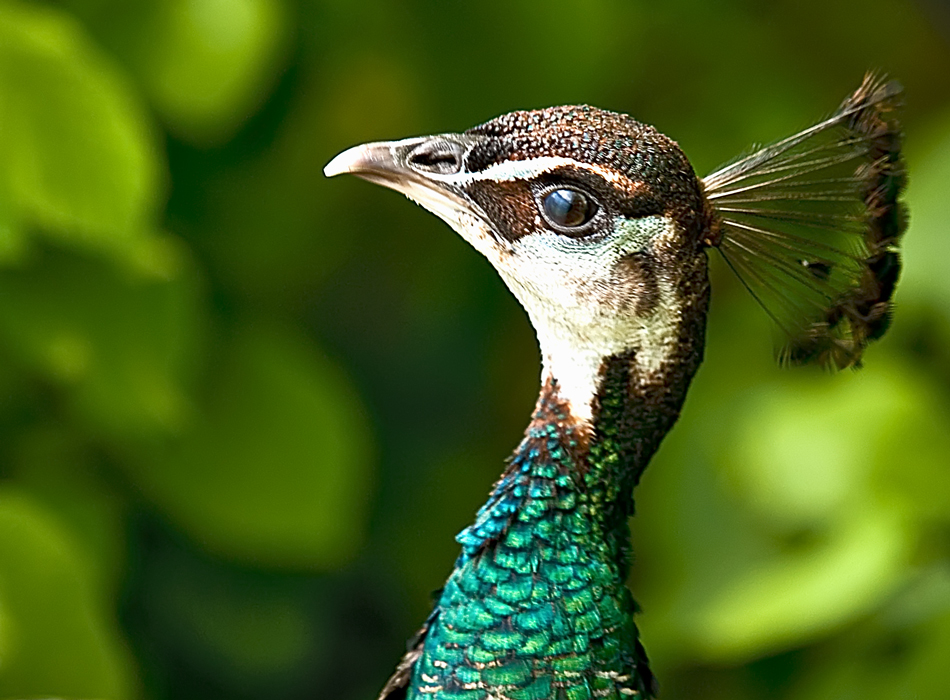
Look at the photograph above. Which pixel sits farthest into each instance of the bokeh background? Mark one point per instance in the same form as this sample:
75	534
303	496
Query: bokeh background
244	409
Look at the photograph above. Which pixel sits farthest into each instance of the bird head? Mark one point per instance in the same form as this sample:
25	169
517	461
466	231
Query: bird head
595	221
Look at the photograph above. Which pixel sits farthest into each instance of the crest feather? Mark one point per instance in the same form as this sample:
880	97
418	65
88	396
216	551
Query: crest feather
811	226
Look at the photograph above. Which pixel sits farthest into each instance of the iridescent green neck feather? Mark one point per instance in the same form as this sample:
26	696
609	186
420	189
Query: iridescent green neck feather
537	605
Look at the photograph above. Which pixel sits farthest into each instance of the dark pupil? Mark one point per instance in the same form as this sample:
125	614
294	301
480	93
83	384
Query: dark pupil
567	207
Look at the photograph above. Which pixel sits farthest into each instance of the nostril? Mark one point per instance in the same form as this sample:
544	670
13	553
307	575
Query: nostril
436	161
440	157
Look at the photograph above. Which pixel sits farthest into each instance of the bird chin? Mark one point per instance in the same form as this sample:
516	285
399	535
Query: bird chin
463	216
447	206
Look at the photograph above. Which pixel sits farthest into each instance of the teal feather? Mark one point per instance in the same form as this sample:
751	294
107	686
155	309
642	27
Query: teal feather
537	607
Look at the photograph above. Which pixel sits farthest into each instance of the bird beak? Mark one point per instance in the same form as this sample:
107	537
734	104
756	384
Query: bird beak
382	162
429	170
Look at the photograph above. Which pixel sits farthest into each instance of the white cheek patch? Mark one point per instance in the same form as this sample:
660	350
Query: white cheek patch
565	286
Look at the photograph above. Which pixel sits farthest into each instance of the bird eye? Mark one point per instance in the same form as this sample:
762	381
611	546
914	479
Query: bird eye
568	208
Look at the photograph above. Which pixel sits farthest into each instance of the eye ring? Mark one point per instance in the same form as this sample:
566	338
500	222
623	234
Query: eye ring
567	209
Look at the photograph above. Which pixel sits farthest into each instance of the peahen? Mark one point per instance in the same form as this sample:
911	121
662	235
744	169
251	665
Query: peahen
599	226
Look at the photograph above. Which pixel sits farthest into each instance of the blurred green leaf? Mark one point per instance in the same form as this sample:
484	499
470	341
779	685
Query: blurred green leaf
802	452
827	480
249	631
780	603
77	159
56	637
277	468
55	468
926	245
206	64
899	653
118	344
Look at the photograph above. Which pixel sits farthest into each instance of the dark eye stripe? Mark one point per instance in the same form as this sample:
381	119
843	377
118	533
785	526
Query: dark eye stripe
567	207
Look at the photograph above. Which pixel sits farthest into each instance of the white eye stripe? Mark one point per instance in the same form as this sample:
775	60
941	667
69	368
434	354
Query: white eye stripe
511	170
524	169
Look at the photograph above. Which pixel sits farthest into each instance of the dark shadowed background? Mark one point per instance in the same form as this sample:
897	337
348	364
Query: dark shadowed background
244	409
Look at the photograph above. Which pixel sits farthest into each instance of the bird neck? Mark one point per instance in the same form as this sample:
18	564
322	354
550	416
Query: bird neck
632	413
538	598
568	464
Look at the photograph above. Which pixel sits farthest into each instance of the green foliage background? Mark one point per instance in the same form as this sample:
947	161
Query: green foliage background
244	410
